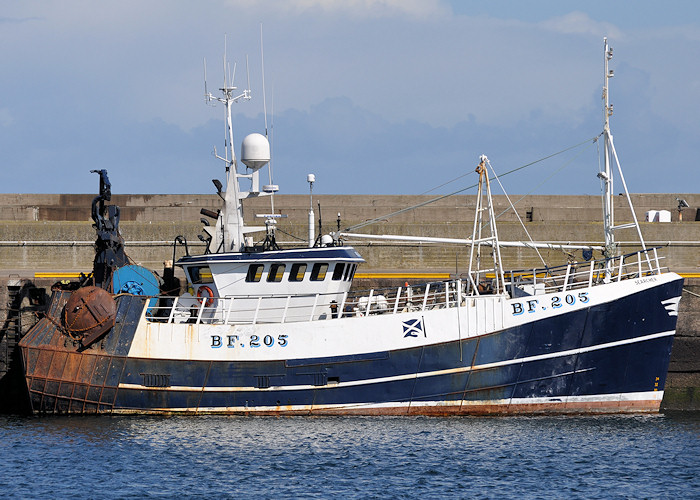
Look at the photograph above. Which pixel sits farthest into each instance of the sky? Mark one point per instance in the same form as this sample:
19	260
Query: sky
372	96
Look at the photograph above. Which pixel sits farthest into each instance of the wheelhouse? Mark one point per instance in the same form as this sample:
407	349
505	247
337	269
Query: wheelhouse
283	272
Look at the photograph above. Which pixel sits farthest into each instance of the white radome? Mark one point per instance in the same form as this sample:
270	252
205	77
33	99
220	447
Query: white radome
255	151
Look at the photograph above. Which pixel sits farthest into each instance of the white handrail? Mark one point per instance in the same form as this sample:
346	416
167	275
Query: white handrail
228	311
396	302
342	305
286	306
201	310
639	264
656	258
257	309
566	277
172	310
619	272
313	309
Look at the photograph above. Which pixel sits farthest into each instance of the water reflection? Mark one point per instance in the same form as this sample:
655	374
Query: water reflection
548	457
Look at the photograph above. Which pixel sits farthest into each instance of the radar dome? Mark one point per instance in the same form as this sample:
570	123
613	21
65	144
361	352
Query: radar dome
255	151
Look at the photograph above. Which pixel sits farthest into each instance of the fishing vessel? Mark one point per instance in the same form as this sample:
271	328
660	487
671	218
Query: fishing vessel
265	330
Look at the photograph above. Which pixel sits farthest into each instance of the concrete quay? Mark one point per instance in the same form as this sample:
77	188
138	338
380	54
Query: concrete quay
29	224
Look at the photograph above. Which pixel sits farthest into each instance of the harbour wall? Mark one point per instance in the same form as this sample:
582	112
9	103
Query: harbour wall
54	234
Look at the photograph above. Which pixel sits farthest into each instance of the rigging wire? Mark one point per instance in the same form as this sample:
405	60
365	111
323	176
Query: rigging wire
433	200
545	180
512	206
445	183
527	165
289	234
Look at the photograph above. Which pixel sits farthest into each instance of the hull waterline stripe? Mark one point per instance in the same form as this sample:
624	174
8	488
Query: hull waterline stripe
461	369
605	402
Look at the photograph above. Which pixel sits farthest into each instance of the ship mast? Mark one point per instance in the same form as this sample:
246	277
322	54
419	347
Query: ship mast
230	231
606	175
230	226
233	208
484	217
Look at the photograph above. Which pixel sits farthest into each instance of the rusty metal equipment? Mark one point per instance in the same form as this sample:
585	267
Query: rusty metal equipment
89	313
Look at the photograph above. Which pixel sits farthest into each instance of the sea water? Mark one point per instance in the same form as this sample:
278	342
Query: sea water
649	456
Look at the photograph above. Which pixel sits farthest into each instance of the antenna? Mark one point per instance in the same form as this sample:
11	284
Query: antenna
247	70
262	65
272	142
267	136
224	61
311	178
206	92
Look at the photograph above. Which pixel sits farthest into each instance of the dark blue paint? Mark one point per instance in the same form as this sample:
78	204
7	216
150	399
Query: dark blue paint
370	356
347	254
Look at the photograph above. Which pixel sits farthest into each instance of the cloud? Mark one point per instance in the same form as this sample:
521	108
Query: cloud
579	23
356	8
18	20
359	86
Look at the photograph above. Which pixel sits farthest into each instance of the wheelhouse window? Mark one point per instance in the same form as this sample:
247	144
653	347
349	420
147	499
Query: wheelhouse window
254	273
200	275
275	273
318	272
338	271
297	272
348	270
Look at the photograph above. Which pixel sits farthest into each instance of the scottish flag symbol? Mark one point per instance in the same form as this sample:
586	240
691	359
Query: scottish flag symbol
412	328
671	305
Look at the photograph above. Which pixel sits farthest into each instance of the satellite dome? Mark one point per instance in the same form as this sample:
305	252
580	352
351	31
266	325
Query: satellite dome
255	151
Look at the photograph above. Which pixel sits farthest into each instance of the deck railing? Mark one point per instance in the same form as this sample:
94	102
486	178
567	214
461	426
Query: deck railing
435	295
587	274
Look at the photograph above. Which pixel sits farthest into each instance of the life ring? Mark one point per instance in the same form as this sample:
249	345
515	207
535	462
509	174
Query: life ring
209	297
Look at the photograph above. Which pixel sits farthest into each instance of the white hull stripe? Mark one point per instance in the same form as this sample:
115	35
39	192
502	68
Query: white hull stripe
605	401
461	369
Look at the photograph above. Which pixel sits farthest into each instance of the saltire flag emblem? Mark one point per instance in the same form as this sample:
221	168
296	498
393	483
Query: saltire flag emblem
413	327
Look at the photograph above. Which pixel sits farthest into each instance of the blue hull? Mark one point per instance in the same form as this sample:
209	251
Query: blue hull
598	359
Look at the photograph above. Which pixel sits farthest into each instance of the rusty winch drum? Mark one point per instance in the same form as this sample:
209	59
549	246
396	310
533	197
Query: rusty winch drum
89	313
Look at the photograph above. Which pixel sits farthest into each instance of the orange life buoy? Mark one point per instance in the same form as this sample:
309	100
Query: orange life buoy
209	296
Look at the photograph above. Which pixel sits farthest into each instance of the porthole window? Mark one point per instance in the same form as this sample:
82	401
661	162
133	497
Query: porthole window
297	272
275	273
254	273
338	271
318	272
